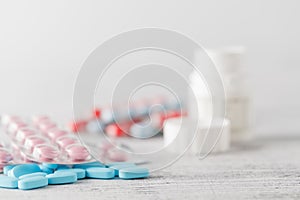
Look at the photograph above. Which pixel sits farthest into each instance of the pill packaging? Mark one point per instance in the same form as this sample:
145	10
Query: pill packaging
39	140
33	176
130	120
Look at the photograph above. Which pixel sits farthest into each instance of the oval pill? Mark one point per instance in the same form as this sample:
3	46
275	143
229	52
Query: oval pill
64	141
100	173
33	175
46	169
8	182
117	168
50	165
79	172
45	152
133	173
32	182
7	168
20	170
56	133
77	152
62	178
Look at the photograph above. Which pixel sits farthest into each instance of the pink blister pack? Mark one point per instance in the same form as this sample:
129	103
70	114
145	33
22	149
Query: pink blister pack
39	140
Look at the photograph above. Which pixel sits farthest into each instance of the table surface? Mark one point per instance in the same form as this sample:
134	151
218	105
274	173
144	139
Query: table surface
263	169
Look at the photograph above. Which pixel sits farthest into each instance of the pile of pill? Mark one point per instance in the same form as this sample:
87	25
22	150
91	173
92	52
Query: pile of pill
32	176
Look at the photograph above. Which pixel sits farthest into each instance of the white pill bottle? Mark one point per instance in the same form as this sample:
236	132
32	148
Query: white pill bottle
230	64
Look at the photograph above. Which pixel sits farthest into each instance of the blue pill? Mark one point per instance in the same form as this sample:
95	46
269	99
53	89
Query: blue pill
50	165
8	182
133	173
88	165
32	182
46	169
117	168
62	178
7	168
20	170
79	172
33	174
100	173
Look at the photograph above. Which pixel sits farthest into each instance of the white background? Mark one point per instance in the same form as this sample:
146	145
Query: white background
42	46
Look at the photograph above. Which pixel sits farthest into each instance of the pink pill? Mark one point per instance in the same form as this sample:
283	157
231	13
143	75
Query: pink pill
55	133
23	133
13	127
38	119
6	119
45	126
65	141
33	141
45	152
77	152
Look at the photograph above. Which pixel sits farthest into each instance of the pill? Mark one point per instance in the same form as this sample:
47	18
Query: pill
15	126
32	141
77	152
50	165
7	168
56	133
117	168
45	126
45	152
33	174
38	119
8	182
79	172
133	173
89	165
62	178
32	182
6	119
23	133
20	170
64	141
46	169
100	173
